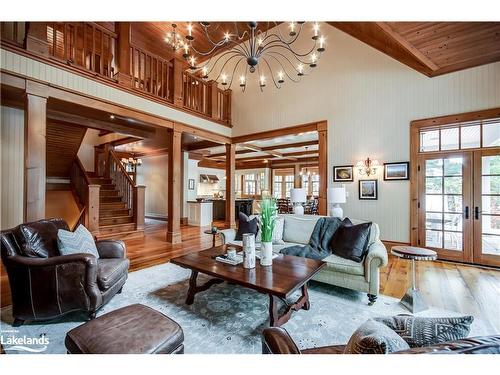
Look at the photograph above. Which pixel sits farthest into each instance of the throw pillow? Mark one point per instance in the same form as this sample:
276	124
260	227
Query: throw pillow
351	241
39	239
374	338
420	331
79	241
277	232
245	225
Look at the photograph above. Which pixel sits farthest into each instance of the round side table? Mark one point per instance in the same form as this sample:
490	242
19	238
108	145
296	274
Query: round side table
413	300
209	231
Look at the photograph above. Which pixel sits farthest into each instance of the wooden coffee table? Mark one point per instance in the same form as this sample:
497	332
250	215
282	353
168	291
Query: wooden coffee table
286	275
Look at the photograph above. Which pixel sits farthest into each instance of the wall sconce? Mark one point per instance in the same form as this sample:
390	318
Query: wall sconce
367	167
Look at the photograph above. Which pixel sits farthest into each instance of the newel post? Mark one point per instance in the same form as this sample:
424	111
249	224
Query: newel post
214	102
179	67
139	210
124	75
92	213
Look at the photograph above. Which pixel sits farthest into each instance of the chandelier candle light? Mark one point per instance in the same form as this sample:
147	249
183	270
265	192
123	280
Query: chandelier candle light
271	54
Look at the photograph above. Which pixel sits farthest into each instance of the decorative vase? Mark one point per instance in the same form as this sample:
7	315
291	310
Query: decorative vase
266	254
248	250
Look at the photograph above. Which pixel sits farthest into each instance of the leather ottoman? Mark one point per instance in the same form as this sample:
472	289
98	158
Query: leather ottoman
133	329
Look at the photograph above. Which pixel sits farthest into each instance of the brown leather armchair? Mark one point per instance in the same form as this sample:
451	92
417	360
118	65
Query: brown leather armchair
277	341
46	285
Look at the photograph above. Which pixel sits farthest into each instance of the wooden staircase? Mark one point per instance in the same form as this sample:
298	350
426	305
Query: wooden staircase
115	219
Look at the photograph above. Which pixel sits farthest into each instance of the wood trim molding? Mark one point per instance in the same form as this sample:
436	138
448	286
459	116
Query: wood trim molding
460	117
311	126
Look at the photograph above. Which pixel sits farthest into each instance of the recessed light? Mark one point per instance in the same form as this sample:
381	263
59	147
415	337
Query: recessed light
112	117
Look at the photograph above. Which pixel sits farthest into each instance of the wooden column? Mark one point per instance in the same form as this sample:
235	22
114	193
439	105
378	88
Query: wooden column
92	210
35	127
139	210
174	186
36	38
323	166
230	195
124	75
296	176
178	83
213	100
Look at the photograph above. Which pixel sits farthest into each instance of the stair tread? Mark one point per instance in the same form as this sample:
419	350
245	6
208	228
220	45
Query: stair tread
109	226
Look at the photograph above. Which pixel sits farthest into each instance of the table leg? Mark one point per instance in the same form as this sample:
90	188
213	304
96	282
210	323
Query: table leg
213	240
193	288
413	299
276	320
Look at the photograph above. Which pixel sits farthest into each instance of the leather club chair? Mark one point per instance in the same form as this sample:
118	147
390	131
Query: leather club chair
46	285
277	341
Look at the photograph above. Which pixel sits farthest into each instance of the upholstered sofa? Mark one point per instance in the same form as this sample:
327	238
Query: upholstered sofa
363	277
46	285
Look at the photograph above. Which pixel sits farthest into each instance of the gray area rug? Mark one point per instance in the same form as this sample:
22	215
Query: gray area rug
228	318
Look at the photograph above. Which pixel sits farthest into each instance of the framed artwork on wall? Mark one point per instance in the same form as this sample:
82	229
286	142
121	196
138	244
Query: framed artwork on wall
343	173
396	171
191	184
368	189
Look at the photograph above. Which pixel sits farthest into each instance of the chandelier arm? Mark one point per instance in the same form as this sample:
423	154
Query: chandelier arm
284	68
225	54
224	65
293	40
258	73
234	70
271	73
281	54
285	57
286	46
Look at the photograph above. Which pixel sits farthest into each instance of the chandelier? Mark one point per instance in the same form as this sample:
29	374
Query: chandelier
272	55
174	39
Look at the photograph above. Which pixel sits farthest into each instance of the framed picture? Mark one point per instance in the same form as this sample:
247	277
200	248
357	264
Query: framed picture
343	173
191	184
368	189
396	171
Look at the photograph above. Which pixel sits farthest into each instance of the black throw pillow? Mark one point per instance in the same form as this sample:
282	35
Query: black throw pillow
246	226
351	241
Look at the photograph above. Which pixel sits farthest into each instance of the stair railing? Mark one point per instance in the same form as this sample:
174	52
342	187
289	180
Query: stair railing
88	196
132	195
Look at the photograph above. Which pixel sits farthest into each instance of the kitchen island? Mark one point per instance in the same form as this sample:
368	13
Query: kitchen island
200	213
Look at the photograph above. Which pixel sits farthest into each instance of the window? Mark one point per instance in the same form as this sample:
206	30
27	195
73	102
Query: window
289	183
250	184
278	181
310	182
467	135
315	185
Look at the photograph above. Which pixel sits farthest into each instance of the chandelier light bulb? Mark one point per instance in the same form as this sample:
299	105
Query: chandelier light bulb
259	41
204	72
292	29
300	69
226	36
316	30
190	30
224	79
242	81
321	44
280	77
262	81
192	62
314	58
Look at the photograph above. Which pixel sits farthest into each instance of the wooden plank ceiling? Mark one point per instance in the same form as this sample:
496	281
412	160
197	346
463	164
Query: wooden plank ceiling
63	142
432	48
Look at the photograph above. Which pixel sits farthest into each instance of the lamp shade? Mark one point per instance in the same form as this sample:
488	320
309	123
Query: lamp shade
337	195
298	195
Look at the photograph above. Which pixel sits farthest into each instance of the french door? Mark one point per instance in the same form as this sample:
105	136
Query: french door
459	205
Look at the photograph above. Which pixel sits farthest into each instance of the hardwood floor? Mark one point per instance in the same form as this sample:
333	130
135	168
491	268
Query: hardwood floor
451	286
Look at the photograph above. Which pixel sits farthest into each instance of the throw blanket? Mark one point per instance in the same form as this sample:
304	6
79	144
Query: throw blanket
320	239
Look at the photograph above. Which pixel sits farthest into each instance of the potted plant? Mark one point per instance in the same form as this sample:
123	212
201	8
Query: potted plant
267	221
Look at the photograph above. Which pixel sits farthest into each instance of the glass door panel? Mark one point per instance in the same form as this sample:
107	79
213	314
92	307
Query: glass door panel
487	207
444	204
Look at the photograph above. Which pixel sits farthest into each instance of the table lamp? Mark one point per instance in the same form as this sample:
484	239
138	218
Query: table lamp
336	195
297	197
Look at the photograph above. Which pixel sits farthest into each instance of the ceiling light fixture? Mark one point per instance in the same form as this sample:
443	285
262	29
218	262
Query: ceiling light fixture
175	40
255	50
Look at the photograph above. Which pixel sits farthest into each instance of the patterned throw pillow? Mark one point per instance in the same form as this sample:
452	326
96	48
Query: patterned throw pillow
79	241
420	331
374	338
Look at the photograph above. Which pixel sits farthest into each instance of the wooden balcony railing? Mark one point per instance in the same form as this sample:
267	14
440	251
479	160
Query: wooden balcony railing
83	44
101	52
88	196
152	74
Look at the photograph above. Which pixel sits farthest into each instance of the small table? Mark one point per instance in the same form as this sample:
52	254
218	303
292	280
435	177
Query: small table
413	300
209	231
286	275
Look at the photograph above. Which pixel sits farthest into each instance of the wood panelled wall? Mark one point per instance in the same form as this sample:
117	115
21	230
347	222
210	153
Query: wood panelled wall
12	167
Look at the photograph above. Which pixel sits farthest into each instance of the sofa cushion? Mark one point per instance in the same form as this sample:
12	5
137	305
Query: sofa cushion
246	225
351	241
79	241
298	229
109	271
39	239
336	263
421	331
375	338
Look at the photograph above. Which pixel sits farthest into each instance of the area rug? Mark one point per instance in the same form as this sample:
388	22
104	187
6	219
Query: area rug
228	318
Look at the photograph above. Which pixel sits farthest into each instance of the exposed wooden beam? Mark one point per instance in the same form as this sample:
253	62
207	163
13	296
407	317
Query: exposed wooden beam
290	145
303	128
102	133
200	145
134	131
408	46
124	141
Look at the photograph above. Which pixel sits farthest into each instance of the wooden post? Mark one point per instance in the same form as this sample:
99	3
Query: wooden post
296	176
92	212
35	128
124	75
230	196
174	186
139	201
36	38
178	83
107	149
323	167
213	100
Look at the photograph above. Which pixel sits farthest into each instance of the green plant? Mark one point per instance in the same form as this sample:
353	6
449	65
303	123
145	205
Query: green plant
268	219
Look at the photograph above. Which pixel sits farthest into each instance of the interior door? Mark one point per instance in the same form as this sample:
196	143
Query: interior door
487	207
445	197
